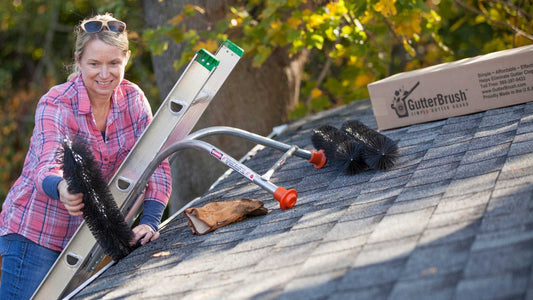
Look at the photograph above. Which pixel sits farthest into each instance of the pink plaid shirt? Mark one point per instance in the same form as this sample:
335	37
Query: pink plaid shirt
65	111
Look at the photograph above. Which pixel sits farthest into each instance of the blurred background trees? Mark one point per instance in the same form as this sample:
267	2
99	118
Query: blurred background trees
341	47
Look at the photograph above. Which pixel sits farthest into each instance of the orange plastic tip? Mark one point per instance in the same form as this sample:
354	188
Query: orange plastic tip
286	198
318	158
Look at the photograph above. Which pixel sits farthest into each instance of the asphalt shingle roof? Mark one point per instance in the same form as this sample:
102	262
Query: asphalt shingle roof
452	220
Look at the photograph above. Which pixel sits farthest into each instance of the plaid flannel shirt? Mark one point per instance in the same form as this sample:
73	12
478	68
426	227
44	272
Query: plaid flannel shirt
65	111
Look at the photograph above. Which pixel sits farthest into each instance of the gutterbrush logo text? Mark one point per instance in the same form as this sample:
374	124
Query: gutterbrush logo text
405	106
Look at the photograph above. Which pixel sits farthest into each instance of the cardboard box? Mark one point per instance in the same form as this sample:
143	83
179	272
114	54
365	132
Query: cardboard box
462	87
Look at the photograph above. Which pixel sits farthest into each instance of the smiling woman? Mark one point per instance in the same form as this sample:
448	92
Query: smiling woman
40	214
102	66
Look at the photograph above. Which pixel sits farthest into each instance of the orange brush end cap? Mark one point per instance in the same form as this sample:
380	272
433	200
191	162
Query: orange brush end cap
286	198
318	158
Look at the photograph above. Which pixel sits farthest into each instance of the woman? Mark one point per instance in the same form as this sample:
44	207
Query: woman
39	215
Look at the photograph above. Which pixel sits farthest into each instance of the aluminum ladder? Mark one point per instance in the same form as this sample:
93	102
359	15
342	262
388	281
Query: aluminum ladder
175	118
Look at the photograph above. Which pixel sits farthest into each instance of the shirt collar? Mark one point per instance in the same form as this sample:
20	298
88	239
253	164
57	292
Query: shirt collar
83	98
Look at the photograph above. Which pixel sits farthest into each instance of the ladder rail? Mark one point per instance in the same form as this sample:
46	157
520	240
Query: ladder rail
228	54
317	158
253	137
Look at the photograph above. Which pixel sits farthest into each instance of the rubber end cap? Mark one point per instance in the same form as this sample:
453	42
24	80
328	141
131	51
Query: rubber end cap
286	198
318	158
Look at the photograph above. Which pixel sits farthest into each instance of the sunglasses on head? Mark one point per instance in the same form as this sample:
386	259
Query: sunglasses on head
97	26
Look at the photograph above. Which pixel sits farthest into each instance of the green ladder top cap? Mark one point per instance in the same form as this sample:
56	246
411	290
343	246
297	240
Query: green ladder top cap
236	49
206	59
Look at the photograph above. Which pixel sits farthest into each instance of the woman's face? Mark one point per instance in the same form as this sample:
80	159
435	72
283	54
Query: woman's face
102	68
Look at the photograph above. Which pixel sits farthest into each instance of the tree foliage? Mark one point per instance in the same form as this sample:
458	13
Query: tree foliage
355	42
351	43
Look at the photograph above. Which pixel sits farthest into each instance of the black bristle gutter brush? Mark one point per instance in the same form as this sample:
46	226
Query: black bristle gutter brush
379	152
100	211
341	151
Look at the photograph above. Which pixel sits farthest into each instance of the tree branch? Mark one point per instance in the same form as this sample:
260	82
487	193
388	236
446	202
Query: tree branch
503	24
46	62
518	10
321	77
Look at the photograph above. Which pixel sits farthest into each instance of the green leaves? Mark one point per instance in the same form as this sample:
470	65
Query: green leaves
158	39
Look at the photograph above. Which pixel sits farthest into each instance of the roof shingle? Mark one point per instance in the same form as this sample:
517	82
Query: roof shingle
452	220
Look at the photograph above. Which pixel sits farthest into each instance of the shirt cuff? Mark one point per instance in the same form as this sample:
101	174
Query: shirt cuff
153	211
50	184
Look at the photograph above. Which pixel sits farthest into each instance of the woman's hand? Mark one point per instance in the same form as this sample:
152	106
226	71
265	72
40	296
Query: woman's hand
72	202
144	234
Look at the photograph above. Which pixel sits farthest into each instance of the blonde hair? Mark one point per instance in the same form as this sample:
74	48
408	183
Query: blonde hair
119	40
